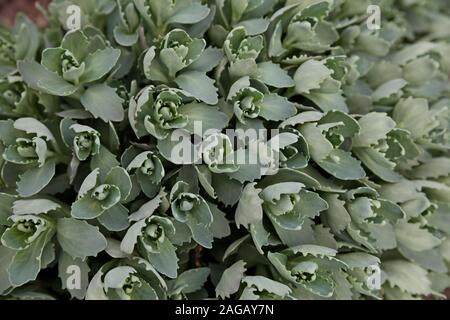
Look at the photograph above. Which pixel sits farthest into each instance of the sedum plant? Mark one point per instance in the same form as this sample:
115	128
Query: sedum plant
253	150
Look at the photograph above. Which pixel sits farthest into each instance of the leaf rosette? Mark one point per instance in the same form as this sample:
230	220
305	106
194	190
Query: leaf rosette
31	154
16	99
250	103
126	22
127	279
242	52
231	14
27	236
22	42
288	205
72	68
382	147
26	240
7	49
367	219
294	153
157	112
152	239
144	167
102	197
162	15
176	62
301	27
310	267
218	154
328	137
192	210
83	140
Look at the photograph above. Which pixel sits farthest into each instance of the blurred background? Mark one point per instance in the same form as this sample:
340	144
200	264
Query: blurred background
9	8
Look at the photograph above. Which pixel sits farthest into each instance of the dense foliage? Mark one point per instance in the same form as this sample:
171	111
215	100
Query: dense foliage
94	204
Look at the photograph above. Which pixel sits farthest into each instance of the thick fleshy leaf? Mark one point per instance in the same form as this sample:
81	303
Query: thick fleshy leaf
310	75
199	85
249	209
99	63
6	257
200	114
79	239
231	279
26	264
41	79
414	238
33	126
103	102
378	164
191	280
74	275
189	14
374	127
273	75
34	206
407	277
166	260
276	108
36	179
119	177
115	218
87	208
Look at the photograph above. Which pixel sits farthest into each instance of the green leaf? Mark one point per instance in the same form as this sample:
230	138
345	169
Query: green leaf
36	179
220	226
199	85
378	164
210	117
191	281
388	89
276	108
433	168
407	277
124	37
374	127
99	63
115	218
415	238
79	239
310	75
209	59
6	257
264	284
103	102
249	209
41	79
26	264
190	14
273	75
6	204
87	208
231	280
33	126
166	260
34	206
342	165
73	272
119	177
147	209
